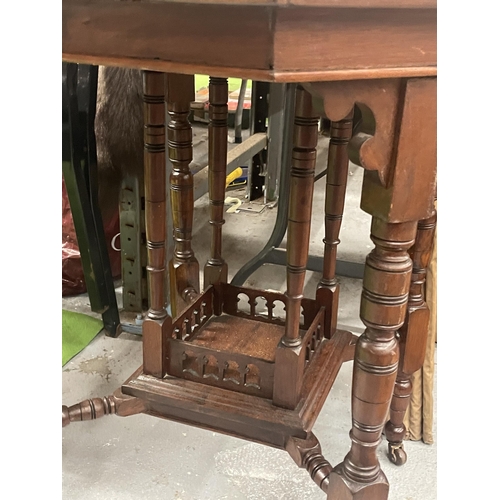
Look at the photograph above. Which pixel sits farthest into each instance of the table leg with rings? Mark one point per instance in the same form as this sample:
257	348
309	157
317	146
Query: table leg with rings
219	364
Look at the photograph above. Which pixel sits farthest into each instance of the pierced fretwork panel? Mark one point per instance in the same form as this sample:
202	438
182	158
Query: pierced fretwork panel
232	371
314	336
263	305
193	317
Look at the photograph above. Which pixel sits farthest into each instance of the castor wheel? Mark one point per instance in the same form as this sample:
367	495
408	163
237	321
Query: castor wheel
397	454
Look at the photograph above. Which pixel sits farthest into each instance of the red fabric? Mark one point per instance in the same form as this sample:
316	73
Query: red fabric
73	281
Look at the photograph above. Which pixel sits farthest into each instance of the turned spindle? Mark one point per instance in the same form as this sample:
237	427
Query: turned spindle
216	268
327	293
184	268
289	369
413	339
384	300
300	209
90	409
117	404
307	454
157	320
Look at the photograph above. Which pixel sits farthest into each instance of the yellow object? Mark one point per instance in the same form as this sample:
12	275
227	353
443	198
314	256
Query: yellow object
233	176
235	204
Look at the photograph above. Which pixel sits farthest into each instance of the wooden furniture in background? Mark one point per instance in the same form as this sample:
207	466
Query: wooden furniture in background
227	360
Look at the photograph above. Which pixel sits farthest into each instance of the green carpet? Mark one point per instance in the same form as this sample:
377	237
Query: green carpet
77	332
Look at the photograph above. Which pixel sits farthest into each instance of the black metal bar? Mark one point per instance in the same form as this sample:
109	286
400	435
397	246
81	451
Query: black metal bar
238	116
282	209
259	114
315	263
80	176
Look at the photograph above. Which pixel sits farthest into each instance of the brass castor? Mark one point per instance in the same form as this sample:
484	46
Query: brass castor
397	454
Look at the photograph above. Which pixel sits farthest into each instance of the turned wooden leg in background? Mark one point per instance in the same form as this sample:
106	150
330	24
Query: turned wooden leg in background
327	293
288	369
413	337
184	268
384	299
216	268
157	322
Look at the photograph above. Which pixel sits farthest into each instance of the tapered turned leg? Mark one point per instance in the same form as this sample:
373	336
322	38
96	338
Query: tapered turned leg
413	337
288	367
384	299
90	409
157	323
327	293
184	268
307	454
216	268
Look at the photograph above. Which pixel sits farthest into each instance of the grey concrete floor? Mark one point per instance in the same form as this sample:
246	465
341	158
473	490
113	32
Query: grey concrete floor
141	457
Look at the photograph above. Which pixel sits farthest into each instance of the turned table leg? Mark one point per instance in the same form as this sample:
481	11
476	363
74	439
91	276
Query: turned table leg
215	270
158	322
307	454
413	337
184	268
383	305
90	409
289	365
327	293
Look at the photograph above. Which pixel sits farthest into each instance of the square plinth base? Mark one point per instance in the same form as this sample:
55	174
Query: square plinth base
242	415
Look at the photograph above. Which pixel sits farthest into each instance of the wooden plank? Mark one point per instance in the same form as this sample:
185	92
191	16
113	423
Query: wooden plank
335	75
199	35
317	42
362	4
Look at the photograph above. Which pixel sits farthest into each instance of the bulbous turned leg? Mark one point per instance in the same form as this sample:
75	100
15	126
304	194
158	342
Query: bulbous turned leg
384	298
307	454
413	338
91	409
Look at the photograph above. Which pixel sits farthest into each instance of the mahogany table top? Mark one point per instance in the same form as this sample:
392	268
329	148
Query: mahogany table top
266	40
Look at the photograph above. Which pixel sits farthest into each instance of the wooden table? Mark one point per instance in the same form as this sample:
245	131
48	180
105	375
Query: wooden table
370	67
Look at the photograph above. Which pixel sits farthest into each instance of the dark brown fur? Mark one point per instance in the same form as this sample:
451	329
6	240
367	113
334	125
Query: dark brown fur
119	126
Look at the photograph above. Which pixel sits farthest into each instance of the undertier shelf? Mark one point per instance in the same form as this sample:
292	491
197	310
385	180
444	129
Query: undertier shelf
240	414
229	338
227	369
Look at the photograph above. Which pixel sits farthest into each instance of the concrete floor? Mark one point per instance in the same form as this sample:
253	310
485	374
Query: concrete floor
141	457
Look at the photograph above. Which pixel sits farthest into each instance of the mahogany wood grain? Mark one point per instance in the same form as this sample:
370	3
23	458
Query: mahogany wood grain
289	369
305	138
150	35
383	305
306	453
382	38
90	409
216	268
400	173
327	292
184	268
409	195
243	415
413	339
372	4
384	63
157	320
